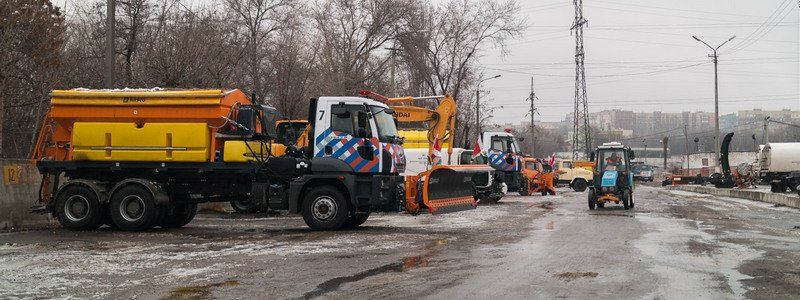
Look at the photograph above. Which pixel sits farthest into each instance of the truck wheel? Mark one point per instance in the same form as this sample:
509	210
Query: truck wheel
134	209
626	196
592	201
325	208
601	205
523	190
77	208
181	215
579	185
632	201
544	192
356	220
242	205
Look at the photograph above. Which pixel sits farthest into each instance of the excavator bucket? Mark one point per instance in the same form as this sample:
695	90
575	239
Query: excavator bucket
446	189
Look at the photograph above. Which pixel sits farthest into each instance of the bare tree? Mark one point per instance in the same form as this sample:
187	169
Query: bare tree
260	19
131	23
353	34
31	35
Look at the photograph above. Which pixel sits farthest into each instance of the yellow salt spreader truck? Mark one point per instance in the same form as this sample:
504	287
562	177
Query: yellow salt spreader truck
135	159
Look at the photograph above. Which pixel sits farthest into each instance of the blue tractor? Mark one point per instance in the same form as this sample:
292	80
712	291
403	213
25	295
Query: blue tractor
613	177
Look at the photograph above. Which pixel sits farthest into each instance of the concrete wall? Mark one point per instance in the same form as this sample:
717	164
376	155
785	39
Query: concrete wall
790	200
20	184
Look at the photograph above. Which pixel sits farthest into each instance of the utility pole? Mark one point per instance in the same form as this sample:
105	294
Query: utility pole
686	148
581	137
665	142
715	57
533	111
110	76
478	103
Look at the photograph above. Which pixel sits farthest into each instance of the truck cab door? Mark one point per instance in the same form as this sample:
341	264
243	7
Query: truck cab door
344	131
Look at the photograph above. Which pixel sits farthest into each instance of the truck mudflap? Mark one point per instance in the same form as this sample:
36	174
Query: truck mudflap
444	189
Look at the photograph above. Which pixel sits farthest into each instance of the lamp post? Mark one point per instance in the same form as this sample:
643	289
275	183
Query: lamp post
478	103
716	92
644	155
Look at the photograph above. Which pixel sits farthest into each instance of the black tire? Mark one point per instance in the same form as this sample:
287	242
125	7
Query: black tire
523	190
544	192
626	196
133	208
592	201
78	208
242	205
579	185
601	205
179	215
325	208
356	220
632	200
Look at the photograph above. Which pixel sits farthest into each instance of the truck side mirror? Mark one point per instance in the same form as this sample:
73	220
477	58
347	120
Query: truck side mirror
631	154
591	156
362	119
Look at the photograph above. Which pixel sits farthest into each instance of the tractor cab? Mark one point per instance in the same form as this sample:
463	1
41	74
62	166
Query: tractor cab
613	177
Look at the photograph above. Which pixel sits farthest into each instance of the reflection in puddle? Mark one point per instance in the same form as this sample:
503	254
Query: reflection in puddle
406	264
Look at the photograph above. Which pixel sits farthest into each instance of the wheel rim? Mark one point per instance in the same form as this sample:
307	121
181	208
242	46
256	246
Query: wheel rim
76	208
324	208
132	208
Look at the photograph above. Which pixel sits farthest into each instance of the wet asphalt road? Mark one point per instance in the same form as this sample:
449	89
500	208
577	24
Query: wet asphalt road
672	245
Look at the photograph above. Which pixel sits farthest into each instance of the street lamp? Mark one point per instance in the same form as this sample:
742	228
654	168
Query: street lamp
716	92
478	103
644	155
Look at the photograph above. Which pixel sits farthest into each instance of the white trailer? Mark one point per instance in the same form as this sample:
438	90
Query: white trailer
778	159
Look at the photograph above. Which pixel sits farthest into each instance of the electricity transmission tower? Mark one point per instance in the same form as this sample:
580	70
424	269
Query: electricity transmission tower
581	138
533	112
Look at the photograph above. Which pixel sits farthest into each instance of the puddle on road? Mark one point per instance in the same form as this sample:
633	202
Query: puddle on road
406	264
197	292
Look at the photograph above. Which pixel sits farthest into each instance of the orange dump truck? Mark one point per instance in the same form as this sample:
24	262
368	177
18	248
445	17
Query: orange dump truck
135	159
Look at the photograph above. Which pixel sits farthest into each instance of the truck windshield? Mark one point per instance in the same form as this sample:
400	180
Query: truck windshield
387	129
505	144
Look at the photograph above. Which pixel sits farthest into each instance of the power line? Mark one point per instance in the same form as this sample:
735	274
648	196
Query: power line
681	10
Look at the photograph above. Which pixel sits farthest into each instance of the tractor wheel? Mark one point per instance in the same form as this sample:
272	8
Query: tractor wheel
626	198
592	201
579	185
325	208
77	208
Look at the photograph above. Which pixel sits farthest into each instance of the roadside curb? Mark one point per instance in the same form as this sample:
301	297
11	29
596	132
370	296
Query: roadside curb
774	198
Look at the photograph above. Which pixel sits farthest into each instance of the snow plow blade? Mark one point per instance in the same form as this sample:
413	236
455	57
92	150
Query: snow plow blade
445	189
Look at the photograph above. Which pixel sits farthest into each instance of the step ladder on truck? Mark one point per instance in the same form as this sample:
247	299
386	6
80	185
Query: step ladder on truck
135	159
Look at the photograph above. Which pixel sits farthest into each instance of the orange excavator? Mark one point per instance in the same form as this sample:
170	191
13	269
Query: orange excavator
537	179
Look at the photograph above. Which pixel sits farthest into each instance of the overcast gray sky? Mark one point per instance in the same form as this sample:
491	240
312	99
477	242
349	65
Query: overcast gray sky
640	56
